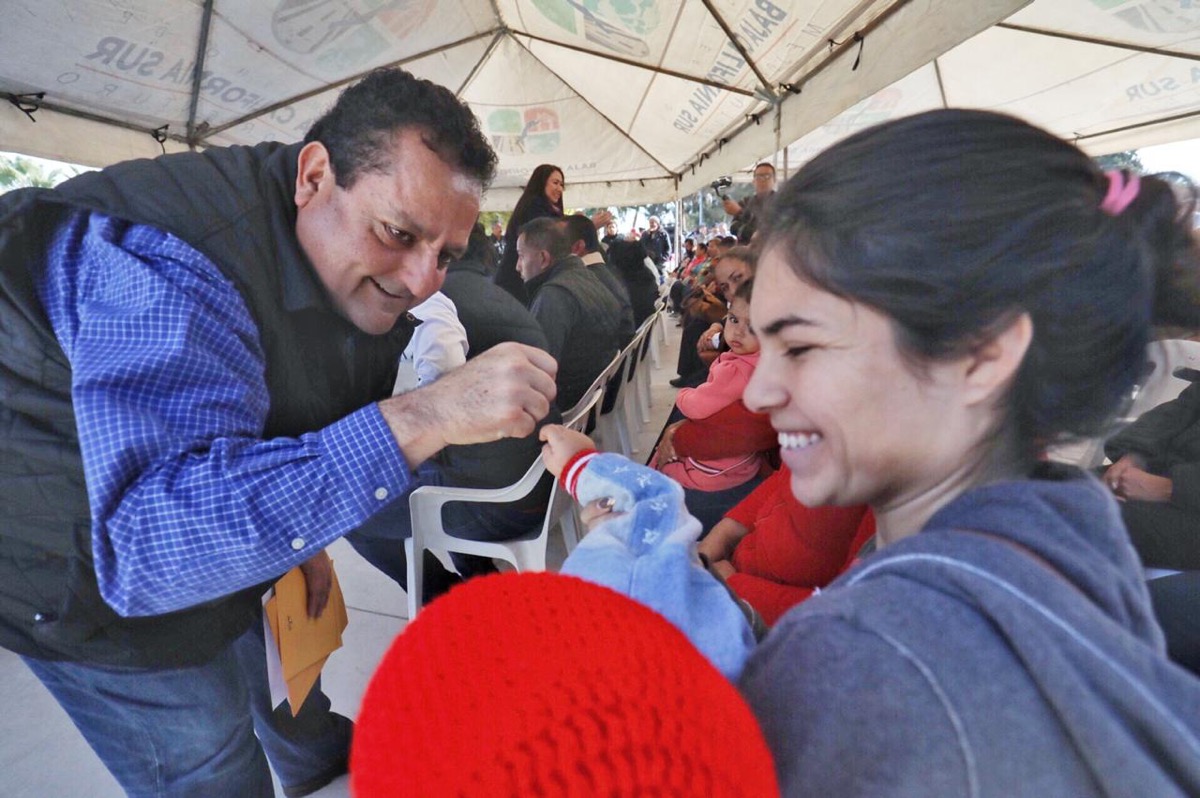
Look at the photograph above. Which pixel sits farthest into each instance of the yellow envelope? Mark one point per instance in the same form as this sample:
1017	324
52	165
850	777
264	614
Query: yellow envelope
304	643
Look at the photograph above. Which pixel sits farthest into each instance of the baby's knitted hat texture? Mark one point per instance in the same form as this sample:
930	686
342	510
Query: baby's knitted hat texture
540	684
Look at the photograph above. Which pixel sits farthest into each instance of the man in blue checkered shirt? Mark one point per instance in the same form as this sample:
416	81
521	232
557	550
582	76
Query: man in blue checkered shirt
195	365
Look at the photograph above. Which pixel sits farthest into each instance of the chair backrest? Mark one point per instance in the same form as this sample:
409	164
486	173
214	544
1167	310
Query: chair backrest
626	361
1161	385
583	405
640	345
576	419
1158	386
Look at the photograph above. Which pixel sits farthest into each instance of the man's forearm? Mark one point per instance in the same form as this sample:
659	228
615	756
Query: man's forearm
415	426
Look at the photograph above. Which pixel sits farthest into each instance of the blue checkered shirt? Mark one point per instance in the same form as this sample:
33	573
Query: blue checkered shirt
188	502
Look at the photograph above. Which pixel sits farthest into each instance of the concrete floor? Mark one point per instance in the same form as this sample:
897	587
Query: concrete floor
43	756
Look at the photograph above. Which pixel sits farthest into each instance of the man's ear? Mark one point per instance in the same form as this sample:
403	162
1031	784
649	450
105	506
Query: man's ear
994	364
313	170
578	248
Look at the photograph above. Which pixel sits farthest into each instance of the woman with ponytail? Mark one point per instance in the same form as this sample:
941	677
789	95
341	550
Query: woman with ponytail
939	299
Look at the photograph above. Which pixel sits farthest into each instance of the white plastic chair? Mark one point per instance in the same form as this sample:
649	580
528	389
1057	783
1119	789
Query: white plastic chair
615	423
643	364
660	317
1160	385
526	553
601	432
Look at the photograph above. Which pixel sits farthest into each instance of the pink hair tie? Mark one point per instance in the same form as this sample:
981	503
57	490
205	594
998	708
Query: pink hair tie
1120	193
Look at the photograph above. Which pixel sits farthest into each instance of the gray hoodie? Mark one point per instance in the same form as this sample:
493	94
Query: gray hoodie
1009	649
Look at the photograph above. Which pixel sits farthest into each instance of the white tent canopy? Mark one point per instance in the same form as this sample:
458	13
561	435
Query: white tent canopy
637	100
1108	75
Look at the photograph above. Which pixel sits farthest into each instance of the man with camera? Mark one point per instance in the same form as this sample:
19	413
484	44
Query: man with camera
747	213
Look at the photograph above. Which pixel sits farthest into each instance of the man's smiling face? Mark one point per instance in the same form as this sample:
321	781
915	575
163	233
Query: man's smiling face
381	246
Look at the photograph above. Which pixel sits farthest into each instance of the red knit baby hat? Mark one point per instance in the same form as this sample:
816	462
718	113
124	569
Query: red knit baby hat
538	684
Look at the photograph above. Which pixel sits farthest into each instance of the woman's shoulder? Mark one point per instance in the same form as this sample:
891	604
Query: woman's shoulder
535	208
827	685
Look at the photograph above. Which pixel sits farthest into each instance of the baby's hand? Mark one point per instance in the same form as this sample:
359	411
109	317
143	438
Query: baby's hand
596	512
561	445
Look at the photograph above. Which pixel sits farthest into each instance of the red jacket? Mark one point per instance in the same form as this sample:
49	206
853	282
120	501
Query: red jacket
791	549
731	430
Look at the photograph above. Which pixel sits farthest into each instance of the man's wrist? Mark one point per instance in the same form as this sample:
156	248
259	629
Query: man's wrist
416	426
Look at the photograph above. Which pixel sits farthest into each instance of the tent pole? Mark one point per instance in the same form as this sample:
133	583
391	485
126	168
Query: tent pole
779	133
678	243
198	72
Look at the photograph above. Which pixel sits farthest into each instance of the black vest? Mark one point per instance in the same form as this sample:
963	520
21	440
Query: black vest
592	339
235	206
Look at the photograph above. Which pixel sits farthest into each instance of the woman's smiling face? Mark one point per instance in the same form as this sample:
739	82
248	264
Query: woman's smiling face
554	188
856	423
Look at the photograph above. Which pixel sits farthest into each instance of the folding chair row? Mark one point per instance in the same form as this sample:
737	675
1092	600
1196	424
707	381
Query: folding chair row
630	380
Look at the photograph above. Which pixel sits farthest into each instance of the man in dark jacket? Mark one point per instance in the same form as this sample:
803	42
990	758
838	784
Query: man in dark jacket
1156	471
578	314
580	231
197	358
657	244
496	239
747	213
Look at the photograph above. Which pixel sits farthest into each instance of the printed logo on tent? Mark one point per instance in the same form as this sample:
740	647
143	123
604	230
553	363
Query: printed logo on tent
341	36
1155	16
616	25
759	28
1175	86
529	131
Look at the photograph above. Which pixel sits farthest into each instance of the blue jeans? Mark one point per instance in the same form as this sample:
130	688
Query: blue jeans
302	748
191	731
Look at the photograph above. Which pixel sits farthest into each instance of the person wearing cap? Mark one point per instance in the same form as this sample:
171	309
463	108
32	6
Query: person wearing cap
543	685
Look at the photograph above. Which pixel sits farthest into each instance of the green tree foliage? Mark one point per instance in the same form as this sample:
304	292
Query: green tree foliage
487	217
17	171
1121	160
704	207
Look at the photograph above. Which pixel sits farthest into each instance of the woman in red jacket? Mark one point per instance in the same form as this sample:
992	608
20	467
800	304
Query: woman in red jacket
774	552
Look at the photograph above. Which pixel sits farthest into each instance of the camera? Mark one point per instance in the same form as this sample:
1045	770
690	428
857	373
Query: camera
720	184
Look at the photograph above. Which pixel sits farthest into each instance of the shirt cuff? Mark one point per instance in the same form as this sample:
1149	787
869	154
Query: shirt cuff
368	461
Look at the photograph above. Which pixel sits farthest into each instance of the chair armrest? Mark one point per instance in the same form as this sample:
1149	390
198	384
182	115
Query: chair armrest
434	496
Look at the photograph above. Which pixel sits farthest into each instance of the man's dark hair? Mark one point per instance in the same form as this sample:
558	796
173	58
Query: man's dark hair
580	228
767	164
547	233
358	130
480	249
